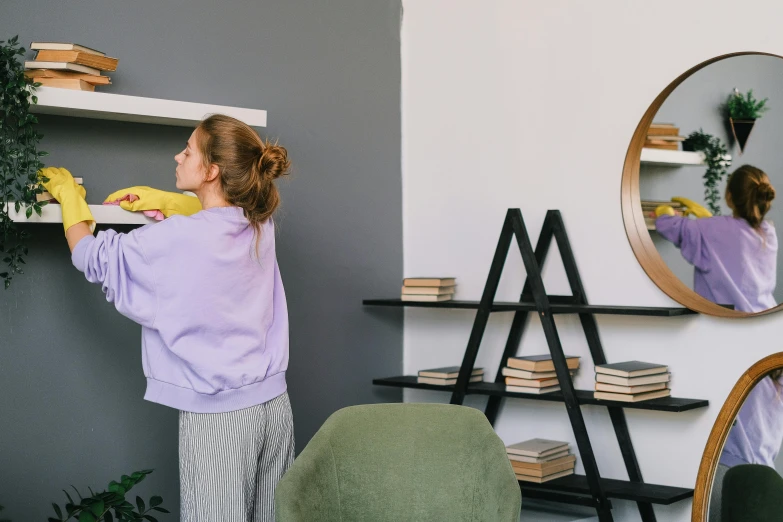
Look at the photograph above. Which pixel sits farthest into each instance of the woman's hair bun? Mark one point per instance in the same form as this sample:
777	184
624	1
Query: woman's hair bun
273	161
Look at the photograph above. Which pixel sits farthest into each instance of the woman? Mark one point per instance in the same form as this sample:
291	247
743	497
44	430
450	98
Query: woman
205	286
734	258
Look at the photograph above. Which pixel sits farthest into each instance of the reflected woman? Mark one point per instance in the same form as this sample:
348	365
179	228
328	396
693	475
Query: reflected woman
734	258
756	435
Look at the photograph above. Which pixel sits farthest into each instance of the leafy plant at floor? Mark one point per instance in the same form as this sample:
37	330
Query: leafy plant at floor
19	155
746	107
718	161
99	506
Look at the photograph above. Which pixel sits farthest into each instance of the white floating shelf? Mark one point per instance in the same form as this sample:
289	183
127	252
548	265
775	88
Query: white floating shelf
671	158
120	107
103	214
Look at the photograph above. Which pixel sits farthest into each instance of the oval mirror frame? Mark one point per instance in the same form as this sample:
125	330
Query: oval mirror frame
633	218
721	428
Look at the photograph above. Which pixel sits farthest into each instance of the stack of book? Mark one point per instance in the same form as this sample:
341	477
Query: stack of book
69	66
631	381
663	136
428	288
45	196
446	376
541	460
649	206
534	373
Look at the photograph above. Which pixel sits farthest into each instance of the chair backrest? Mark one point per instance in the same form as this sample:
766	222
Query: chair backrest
751	493
401	462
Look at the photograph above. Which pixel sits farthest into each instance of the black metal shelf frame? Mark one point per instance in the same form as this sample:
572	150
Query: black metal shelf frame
589	489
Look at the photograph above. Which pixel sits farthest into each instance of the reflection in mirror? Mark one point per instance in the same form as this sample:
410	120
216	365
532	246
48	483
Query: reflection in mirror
755	437
711	211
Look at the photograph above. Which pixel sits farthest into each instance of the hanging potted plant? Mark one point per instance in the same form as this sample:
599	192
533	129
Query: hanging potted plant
743	112
718	161
20	158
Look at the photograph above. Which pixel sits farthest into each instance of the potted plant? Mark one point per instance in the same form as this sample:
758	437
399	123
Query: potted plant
20	159
743	112
99	506
718	161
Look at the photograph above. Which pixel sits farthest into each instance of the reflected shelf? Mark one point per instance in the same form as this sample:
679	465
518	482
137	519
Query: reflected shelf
671	158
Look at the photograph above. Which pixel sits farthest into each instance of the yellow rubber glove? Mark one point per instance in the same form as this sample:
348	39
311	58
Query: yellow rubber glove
169	203
664	210
61	185
693	208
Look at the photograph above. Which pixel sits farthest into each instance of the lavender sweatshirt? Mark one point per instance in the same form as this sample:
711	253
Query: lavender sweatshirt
213	314
757	433
733	264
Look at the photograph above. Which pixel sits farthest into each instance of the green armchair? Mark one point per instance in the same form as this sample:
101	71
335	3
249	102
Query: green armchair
394	462
751	493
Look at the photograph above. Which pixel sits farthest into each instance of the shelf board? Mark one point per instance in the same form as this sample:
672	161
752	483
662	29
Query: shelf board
562	307
671	158
103	214
619	489
120	107
670	404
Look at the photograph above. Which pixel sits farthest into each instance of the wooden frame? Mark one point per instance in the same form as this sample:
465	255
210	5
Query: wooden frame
720	430
638	235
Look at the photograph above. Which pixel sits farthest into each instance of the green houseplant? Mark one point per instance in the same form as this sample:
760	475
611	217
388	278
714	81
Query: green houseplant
20	158
718	161
743	111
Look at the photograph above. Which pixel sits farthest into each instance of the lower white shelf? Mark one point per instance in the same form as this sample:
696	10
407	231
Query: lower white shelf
103	214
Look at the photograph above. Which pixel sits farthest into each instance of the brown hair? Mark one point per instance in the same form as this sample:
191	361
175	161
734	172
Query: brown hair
751	194
248	166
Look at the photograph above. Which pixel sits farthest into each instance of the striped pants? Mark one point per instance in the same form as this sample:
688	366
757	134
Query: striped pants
230	463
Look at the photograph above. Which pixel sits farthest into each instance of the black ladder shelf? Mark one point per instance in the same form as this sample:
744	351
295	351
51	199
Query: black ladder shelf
589	489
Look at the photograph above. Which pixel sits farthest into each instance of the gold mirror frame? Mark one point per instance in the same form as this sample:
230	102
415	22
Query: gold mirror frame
721	428
635	228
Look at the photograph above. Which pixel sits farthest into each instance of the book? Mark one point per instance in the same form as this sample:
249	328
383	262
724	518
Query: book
633	381
50	73
426	298
446	382
540	480
62	66
665	138
539	460
524	374
533	472
548	465
103	63
540	363
530	389
631	369
428	290
537	447
632	390
532	383
62	46
429	281
632	398
67	83
664	145
447	372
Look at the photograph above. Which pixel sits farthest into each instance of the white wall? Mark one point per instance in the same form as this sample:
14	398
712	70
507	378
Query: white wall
510	103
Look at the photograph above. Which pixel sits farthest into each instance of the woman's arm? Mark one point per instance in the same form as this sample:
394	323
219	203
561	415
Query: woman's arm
76	233
686	234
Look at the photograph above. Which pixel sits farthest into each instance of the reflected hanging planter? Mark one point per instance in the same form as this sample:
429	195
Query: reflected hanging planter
741	129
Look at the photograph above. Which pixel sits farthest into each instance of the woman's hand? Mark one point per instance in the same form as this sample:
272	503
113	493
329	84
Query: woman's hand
693	208
169	203
61	185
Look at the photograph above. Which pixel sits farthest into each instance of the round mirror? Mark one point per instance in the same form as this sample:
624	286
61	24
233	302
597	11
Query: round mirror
740	472
699	186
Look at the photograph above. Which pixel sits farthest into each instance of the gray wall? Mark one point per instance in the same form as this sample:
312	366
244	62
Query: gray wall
71	384
696	104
